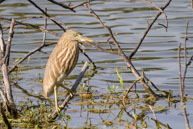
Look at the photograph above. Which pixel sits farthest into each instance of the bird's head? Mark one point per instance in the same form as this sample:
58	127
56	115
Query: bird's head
72	34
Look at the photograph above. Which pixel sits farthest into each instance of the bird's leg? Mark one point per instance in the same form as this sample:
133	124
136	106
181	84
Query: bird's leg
56	98
69	91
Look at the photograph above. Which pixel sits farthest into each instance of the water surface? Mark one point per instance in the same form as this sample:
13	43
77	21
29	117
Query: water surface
157	56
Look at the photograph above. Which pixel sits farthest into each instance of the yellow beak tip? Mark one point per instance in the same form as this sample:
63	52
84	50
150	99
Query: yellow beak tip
90	40
86	40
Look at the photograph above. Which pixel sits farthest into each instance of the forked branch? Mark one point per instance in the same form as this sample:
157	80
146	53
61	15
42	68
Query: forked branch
121	52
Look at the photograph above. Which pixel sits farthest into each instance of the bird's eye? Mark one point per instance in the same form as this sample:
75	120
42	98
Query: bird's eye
77	35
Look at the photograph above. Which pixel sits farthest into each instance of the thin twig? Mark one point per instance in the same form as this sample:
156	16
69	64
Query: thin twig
160	10
182	79
180	69
29	94
29	54
31	17
35	5
45	28
121	53
48	44
62	5
95	45
185	58
151	108
30	25
75	6
147	30
2	43
83	52
8	47
20	22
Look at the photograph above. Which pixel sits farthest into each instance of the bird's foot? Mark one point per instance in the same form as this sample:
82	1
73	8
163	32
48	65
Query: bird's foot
57	108
70	91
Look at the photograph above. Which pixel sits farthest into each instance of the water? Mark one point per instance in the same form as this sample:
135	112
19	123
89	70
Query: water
157	56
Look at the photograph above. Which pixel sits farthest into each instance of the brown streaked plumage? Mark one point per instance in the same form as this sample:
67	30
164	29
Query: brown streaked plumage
62	61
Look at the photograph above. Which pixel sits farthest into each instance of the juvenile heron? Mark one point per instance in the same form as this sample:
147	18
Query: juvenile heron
61	62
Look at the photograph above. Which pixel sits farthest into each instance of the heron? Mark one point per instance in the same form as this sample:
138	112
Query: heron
61	62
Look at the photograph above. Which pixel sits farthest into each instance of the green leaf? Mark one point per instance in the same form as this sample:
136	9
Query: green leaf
120	79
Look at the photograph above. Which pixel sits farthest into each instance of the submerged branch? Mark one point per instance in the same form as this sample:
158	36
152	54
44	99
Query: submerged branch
182	77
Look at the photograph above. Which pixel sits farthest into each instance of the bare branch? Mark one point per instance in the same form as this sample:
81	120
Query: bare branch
8	47
62	5
4	97
185	55
148	29
31	25
45	28
122	54
29	54
35	5
182	79
4	65
160	10
75	6
87	57
2	44
1	1
102	49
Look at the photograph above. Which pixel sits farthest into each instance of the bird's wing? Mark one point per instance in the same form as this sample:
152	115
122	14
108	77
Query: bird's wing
52	72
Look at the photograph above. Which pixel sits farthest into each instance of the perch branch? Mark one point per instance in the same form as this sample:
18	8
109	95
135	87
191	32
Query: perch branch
73	89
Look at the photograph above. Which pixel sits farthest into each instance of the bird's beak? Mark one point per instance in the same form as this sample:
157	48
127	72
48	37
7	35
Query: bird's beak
85	39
